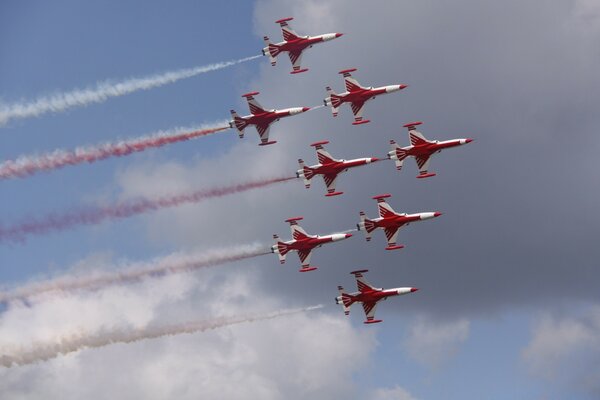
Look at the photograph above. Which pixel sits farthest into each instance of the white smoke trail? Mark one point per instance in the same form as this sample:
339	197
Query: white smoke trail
103	91
171	264
75	342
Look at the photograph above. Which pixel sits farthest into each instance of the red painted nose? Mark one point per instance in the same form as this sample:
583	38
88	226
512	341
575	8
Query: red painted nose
403	87
348	235
469	140
437	214
337	35
373	159
305	109
414	289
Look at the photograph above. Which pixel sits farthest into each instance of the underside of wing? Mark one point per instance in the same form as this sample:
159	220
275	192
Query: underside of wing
253	105
422	163
296	59
357	110
329	180
263	132
304	256
391	234
370	308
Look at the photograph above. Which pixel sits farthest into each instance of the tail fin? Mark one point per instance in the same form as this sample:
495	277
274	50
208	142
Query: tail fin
344	299
272	50
333	100
366	225
305	173
398	154
238	122
281	249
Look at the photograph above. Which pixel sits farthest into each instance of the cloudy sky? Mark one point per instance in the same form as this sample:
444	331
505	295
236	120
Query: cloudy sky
509	305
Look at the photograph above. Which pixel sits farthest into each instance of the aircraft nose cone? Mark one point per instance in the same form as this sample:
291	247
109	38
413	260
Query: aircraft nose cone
337	35
469	140
414	289
348	235
437	214
373	159
305	109
403	87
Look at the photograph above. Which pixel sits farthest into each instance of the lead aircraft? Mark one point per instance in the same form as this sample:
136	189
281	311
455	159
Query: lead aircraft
303	243
261	118
368	295
328	167
421	149
390	221
293	44
356	95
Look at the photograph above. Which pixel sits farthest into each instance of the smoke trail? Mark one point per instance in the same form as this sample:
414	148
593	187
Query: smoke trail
57	222
28	165
103	91
69	344
171	264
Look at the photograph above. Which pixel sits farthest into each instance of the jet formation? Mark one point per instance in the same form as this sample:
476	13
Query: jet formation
329	168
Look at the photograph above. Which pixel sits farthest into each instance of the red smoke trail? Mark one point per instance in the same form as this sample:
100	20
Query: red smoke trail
29	165
58	222
175	263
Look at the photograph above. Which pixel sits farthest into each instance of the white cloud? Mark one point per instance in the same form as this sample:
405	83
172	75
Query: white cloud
293	357
432	343
565	349
394	393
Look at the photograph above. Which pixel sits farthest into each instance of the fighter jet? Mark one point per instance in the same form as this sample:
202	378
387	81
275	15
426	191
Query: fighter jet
368	295
390	221
328	167
261	118
356	95
294	45
421	149
303	243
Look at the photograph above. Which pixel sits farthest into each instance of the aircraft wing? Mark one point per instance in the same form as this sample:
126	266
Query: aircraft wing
370	308
385	210
329	180
298	232
304	256
296	59
287	31
361	282
351	82
253	104
263	132
422	163
357	109
391	234
416	137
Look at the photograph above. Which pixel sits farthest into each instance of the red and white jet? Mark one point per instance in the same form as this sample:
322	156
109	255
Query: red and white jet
356	95
294	45
261	118
303	243
390	221
368	295
329	168
421	149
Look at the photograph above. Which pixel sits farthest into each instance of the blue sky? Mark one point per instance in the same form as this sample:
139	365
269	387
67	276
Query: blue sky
502	265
